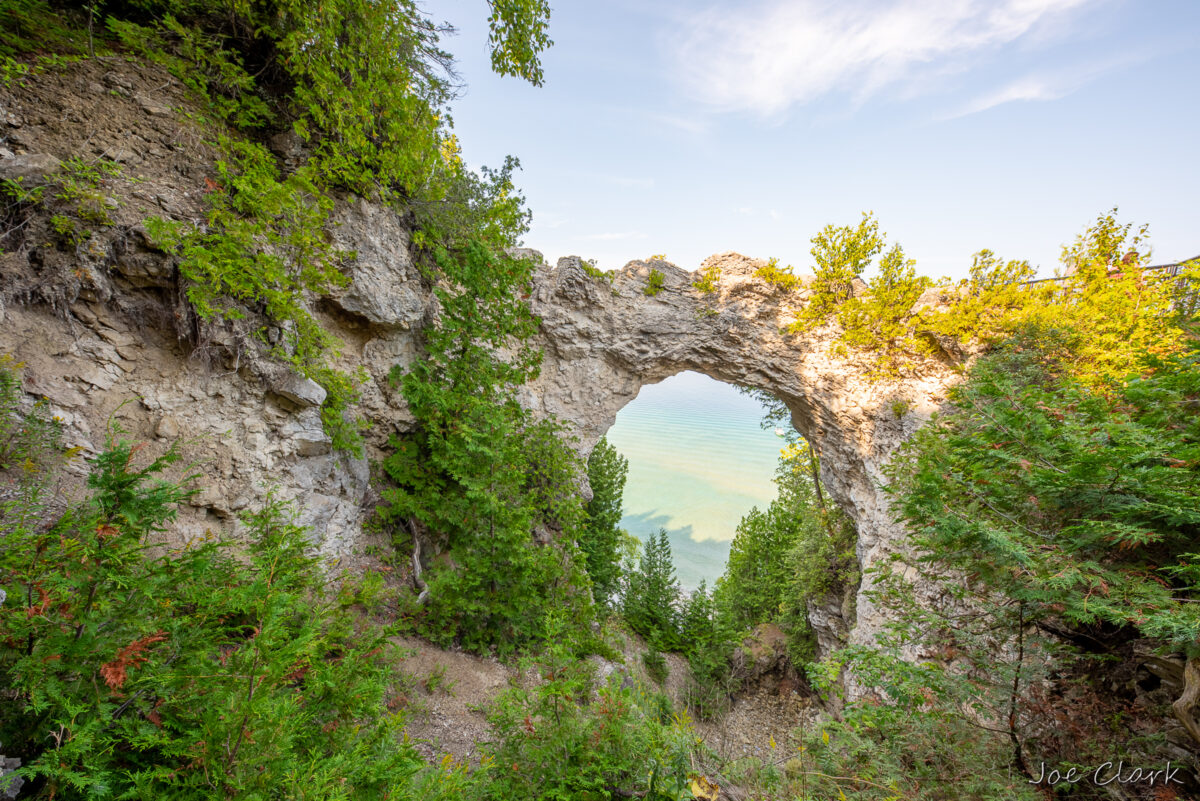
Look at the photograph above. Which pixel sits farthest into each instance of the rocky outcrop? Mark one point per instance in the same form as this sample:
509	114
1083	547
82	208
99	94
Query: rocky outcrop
105	336
605	340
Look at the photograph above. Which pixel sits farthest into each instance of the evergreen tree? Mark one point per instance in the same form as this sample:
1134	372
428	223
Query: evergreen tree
600	538
652	594
479	475
799	549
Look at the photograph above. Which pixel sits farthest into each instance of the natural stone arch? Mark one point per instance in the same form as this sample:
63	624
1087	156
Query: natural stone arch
604	340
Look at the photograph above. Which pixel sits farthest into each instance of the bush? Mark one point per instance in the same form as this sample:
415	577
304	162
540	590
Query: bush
561	738
655	664
775	276
841	254
654	284
706	284
133	670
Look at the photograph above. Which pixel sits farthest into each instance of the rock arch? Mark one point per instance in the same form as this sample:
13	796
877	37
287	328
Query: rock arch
605	339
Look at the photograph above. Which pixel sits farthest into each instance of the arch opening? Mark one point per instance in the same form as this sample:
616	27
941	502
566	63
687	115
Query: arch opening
699	461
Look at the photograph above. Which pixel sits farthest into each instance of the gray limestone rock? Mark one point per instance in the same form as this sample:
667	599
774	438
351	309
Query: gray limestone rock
29	168
385	287
298	389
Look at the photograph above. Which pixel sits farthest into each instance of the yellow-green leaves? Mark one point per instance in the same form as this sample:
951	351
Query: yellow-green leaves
517	34
841	254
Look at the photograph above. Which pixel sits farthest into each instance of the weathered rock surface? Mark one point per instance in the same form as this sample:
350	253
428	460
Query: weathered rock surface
103	331
604	342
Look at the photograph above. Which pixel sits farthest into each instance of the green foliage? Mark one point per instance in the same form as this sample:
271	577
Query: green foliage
707	642
1125	309
136	671
650	599
562	738
654	284
517	34
1119	311
28	437
264	246
600	537
480	475
1080	503
11	70
879	322
800	550
74	195
892	743
592	271
979	306
200	61
361	83
77	186
32	26
655	664
841	254
706	284
774	275
1069	505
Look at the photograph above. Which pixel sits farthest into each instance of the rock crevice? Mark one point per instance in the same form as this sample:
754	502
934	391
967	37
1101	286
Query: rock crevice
104	334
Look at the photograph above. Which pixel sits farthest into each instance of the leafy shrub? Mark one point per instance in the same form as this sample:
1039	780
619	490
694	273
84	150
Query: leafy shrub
880	321
654	284
31	26
1069	508
264	245
199	59
892	743
592	271
706	284
1118	308
841	254
776	276
562	738
1080	503
655	664
28	437
134	670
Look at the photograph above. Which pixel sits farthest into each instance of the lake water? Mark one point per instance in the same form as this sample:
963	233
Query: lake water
698	461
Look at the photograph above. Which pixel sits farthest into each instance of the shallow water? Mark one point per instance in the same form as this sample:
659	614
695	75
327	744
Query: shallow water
698	461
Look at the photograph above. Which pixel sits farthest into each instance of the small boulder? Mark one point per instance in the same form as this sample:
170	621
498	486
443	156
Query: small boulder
298	389
29	167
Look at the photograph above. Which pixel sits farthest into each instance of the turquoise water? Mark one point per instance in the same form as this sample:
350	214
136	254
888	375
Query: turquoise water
698	461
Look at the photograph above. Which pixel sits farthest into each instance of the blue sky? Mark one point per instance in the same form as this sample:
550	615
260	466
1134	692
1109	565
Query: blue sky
690	128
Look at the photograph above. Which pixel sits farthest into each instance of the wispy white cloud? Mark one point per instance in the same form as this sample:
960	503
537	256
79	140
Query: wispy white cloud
1050	85
1028	88
788	52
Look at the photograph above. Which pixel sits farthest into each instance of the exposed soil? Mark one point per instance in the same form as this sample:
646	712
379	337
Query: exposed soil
453	689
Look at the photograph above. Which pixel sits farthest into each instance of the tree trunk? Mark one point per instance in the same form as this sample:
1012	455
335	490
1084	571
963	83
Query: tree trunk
1187	701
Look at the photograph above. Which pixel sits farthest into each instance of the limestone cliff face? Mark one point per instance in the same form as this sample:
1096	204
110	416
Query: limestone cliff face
104	337
604	341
